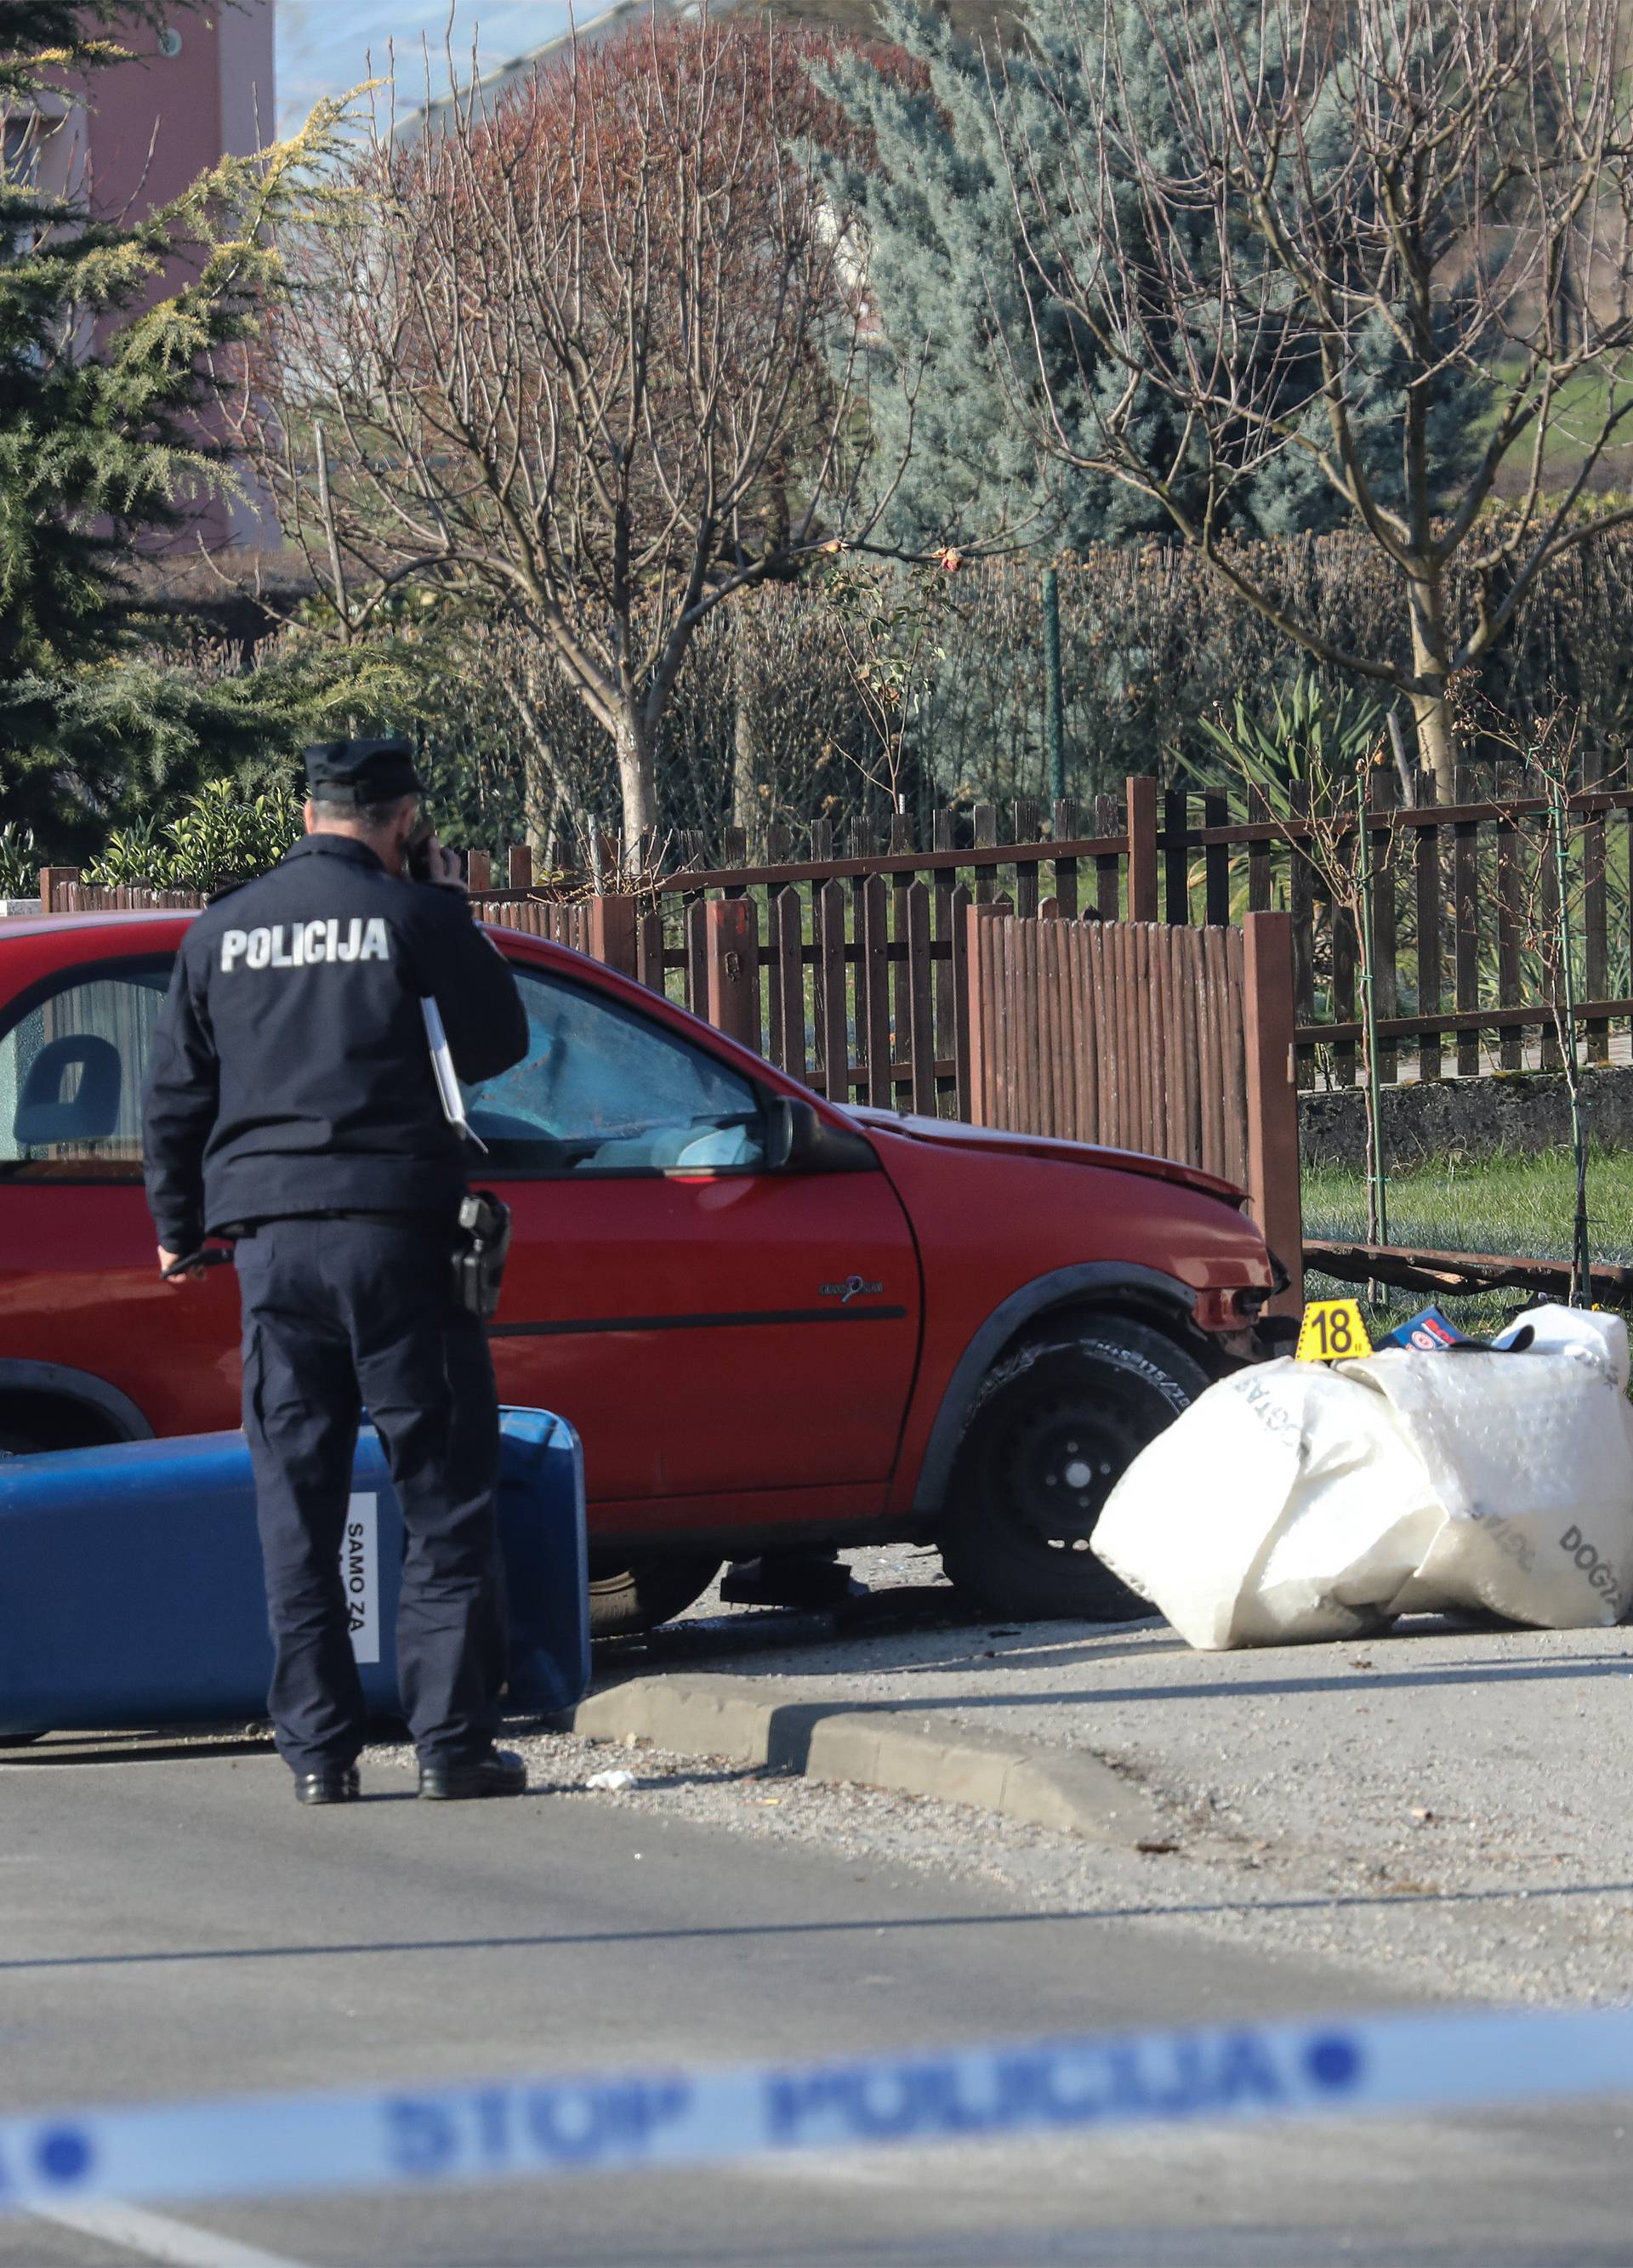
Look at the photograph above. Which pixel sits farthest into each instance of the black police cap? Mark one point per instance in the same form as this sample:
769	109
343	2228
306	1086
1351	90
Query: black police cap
361	772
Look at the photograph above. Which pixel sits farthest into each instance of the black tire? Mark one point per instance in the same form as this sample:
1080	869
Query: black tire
643	1590
1055	1425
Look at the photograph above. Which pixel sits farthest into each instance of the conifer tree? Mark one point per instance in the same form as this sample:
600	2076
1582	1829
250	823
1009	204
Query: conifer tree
956	364
108	432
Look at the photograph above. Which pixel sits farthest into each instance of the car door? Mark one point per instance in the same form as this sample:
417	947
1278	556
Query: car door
79	1289
713	1328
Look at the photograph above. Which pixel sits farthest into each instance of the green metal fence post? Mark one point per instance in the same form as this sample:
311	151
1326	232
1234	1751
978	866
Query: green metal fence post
1377	1188
1055	728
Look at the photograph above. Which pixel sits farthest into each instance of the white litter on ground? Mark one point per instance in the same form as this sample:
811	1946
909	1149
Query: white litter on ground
1302	1501
611	1781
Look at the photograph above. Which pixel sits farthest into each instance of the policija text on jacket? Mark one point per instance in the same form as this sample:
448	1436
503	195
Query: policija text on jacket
291	1072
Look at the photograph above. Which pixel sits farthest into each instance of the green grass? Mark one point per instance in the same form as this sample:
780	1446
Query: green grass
1575	421
1517	1205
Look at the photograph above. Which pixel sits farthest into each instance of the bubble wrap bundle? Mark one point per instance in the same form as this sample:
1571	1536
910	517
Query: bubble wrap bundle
1298	1501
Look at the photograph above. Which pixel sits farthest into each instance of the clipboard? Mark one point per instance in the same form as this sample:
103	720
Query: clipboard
446	1076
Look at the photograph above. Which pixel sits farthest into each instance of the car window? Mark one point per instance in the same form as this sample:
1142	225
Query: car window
603	1089
71	1069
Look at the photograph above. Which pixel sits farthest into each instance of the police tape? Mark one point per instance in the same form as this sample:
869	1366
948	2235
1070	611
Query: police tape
530	2129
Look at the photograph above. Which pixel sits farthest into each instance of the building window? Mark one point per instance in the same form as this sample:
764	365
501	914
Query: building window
23	137
19	168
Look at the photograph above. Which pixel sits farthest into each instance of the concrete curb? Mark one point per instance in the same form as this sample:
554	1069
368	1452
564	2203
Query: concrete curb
891	1748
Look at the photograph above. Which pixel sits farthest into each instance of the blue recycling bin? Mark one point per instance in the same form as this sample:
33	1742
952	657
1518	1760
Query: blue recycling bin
131	1592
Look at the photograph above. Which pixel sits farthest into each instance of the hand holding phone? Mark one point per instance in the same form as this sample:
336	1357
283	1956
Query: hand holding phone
424	859
417	852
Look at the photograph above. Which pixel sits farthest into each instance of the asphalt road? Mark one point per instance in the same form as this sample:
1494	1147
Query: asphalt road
171	1922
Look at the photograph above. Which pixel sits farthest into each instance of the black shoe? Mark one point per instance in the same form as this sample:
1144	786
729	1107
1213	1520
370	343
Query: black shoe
497	1773
335	1783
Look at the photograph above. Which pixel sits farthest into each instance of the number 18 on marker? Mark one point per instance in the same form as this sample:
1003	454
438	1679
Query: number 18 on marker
1333	1331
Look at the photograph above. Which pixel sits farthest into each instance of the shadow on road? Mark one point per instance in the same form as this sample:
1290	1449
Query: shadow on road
60	1748
880	1612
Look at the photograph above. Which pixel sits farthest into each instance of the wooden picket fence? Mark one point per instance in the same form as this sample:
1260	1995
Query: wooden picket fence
1459	986
868	935
1173	1041
856	940
868	1006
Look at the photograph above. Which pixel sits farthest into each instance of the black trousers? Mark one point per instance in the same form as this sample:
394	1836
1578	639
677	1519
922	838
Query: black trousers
340	1315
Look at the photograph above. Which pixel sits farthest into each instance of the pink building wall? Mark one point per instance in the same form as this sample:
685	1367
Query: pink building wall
150	126
160	119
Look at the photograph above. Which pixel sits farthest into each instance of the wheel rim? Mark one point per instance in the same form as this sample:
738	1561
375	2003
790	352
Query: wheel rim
1056	1458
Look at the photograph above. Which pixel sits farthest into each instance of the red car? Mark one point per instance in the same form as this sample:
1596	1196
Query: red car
773	1320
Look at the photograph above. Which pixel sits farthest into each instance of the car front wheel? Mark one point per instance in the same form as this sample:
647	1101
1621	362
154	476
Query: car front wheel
1053	1428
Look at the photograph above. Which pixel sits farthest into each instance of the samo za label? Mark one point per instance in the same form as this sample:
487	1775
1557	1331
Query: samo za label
359	1571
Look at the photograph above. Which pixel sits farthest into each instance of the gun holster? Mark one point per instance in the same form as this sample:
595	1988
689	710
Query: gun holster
480	1253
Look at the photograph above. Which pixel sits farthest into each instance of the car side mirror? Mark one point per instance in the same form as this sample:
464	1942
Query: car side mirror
798	1140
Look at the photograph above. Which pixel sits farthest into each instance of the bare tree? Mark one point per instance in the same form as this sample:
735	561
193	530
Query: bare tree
1399	204
889	627
793	706
593	354
1309	768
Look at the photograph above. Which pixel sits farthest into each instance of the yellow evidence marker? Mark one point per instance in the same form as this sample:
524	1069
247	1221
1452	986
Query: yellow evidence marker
1333	1330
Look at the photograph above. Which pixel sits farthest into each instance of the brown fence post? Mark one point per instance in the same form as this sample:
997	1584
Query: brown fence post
833	1024
1142	862
921	1001
789	1020
984	1016
984	820
649	952
52	878
520	865
731	960
1273	1172
612	933
478	874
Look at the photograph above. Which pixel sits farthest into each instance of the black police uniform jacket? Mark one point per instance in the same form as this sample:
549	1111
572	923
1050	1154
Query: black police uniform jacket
290	1071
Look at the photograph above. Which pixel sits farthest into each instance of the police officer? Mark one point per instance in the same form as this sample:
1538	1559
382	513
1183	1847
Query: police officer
292	1106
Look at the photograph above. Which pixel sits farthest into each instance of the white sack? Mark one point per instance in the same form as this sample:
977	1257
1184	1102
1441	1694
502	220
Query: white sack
1298	1501
1557	1330
1246	1521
